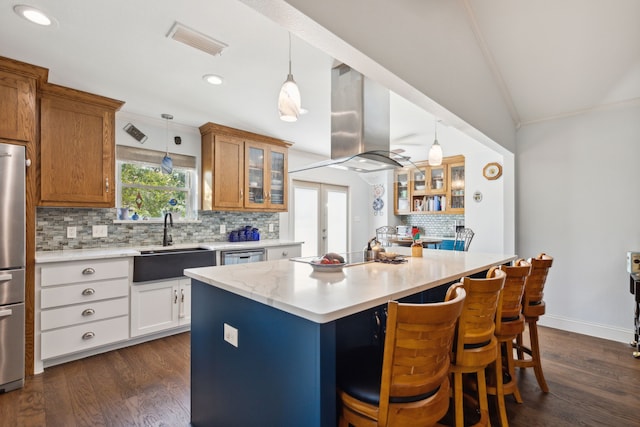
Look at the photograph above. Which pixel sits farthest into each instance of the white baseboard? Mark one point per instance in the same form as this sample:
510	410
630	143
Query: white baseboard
597	330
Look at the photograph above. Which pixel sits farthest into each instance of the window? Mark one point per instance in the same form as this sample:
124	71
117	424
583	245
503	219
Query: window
149	193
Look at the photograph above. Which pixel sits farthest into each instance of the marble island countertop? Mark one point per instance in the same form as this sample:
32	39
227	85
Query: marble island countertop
114	252
295	288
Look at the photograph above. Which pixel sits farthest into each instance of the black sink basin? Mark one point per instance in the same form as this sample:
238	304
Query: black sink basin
171	251
168	263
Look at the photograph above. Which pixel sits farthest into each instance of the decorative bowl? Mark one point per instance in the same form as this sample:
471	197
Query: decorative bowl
326	268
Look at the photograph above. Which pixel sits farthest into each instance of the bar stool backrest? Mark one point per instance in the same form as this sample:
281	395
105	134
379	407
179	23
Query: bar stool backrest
514	285
534	288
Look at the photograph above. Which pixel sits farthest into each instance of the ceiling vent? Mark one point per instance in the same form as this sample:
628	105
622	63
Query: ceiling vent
193	38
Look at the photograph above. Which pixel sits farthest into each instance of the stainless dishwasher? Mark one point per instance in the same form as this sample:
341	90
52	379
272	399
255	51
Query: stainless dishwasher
241	256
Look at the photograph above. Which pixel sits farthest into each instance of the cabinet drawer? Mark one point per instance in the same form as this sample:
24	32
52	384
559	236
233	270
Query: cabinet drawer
83	337
83	313
283	252
83	271
83	292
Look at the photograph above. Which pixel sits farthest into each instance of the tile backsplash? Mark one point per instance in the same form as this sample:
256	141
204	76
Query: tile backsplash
434	225
52	223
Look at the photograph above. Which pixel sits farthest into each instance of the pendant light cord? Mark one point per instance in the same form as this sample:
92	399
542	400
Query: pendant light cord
289	53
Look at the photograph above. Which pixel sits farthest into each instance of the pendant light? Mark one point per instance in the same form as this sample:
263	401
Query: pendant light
435	153
167	163
289	99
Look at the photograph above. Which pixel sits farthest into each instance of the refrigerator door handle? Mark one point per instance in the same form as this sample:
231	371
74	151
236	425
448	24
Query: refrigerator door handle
6	312
5	277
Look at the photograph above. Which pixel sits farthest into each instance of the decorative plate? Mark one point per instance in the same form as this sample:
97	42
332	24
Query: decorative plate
492	171
378	190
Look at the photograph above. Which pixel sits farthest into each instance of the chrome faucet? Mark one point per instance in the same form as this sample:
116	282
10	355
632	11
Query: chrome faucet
167	240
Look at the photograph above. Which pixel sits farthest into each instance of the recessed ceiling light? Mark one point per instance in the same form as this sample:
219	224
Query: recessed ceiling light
212	79
33	15
303	111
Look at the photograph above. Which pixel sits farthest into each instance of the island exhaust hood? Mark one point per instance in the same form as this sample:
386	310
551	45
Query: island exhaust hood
360	122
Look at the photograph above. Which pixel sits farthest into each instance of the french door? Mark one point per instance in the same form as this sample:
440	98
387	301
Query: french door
320	217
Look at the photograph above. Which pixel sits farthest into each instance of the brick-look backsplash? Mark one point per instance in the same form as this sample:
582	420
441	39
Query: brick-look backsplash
52	223
434	225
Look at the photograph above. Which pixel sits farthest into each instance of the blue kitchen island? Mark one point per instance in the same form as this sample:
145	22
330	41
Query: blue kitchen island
265	336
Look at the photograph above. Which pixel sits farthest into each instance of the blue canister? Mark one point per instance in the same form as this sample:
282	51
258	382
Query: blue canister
233	236
255	235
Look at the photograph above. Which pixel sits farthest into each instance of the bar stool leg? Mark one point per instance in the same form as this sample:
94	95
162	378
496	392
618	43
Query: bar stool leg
512	370
482	399
502	409
457	399
535	354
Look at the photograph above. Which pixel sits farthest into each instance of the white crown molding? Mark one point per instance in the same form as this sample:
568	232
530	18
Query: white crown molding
633	102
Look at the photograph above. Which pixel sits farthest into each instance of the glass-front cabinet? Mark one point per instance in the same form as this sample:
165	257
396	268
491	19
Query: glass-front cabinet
430	189
255	181
265	181
401	191
457	187
277	195
438	179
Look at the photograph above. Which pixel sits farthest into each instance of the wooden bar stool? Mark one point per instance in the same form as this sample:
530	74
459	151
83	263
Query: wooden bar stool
476	346
533	307
509	324
408	385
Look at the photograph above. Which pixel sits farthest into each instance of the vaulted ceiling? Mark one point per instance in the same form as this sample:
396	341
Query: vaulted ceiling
547	58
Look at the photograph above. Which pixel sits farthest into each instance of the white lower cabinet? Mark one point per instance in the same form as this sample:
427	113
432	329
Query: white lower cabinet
83	305
284	252
156	306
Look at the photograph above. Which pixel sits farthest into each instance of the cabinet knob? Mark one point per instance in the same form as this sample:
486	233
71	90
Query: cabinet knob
88	312
87	271
107	184
89	291
88	335
175	297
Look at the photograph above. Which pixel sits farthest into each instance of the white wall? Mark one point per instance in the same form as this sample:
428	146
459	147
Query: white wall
577	202
359	192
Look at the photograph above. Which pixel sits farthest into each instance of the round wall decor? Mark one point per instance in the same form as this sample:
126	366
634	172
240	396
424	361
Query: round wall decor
492	171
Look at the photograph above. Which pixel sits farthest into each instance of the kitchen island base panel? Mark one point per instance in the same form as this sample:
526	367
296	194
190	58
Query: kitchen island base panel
281	374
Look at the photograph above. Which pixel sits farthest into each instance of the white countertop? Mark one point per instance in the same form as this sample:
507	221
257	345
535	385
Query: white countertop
295	288
96	253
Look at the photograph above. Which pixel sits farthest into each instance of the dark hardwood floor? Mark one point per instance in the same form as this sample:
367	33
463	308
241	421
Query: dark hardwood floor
593	382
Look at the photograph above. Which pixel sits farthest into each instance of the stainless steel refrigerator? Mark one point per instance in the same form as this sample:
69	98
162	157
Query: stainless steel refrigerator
12	266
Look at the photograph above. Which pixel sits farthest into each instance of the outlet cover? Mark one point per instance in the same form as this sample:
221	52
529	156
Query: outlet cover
270	228
71	232
99	231
223	228
231	335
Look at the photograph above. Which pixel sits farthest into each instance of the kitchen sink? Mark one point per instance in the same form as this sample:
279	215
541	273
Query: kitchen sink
157	264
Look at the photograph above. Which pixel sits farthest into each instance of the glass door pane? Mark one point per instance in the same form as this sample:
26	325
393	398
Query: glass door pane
336	221
256	176
276	193
306	202
320	217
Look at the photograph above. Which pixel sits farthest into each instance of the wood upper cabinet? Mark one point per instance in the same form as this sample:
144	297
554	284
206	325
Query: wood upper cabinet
17	107
430	189
242	170
77	145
